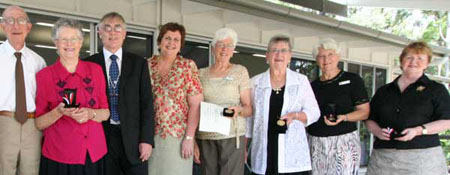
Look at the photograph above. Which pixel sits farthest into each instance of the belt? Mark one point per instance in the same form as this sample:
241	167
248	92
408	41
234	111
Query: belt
11	114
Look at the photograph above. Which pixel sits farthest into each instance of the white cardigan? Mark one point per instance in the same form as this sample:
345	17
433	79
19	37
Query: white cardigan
298	97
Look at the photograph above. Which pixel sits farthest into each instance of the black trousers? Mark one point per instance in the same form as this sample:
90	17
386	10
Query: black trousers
116	159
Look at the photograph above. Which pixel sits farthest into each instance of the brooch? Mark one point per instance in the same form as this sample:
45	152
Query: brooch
420	88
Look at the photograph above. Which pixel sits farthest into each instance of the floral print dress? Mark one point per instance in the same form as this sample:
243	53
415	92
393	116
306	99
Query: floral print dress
170	93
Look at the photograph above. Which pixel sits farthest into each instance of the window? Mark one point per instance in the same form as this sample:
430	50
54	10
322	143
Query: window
199	52
354	68
367	76
380	77
305	67
373	79
253	59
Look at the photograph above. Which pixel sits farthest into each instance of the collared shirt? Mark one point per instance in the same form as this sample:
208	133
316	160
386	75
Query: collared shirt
32	63
298	97
108	61
422	102
170	94
67	141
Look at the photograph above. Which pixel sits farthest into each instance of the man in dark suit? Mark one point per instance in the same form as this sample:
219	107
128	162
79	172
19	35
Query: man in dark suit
130	129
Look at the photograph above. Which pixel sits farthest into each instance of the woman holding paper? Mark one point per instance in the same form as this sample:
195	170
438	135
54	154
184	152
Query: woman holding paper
227	85
284	104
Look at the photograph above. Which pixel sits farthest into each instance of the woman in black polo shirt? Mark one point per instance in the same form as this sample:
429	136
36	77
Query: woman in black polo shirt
343	101
406	115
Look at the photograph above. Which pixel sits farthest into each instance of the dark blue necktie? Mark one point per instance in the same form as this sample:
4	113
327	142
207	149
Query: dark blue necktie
113	88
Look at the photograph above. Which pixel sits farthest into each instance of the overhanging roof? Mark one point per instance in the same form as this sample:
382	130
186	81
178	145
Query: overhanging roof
443	5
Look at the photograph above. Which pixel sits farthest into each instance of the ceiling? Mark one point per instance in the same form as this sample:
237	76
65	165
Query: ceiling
440	5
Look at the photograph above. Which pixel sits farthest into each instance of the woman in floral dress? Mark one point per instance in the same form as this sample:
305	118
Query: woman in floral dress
177	94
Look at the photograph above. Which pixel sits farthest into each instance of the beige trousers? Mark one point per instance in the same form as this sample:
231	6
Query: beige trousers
20	147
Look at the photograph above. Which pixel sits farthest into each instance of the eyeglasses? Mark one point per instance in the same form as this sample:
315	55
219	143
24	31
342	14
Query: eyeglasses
222	45
168	38
325	56
116	28
12	21
72	40
279	51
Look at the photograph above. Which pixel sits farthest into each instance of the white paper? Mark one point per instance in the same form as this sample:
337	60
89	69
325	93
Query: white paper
212	120
281	157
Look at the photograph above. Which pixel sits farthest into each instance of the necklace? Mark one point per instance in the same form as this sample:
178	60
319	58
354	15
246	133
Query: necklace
277	90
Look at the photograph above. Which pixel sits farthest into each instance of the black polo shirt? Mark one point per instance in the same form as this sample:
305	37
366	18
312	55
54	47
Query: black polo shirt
345	91
421	102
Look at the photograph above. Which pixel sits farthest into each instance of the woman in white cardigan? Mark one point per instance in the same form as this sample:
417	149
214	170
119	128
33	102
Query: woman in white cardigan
284	104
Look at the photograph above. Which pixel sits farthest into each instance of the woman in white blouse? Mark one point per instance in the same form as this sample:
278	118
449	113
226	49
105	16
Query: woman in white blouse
284	104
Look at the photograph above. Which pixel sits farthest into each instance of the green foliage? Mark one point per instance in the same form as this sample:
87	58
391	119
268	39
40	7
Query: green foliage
414	24
446	146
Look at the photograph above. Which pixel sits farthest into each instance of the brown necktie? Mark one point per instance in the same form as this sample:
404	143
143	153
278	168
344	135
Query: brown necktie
21	102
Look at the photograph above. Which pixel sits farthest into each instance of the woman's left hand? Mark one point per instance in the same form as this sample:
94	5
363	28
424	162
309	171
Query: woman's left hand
82	115
340	118
187	148
289	118
409	134
237	110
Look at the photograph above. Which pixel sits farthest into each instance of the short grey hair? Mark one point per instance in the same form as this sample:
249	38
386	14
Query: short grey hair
327	44
279	38
65	22
225	33
112	15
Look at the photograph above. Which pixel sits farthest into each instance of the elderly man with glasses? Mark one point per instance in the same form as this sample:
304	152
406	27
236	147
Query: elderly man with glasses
20	145
130	129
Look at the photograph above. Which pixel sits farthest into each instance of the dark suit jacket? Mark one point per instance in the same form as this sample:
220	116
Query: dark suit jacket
135	103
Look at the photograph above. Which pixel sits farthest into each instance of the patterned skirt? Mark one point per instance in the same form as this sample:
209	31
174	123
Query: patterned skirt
335	155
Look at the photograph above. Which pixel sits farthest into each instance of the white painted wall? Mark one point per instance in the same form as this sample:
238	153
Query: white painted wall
203	20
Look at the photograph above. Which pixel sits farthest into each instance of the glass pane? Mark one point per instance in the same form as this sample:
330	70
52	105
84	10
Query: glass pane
139	44
364	135
432	70
380	77
367	76
198	52
39	39
341	65
254	60
353	68
306	67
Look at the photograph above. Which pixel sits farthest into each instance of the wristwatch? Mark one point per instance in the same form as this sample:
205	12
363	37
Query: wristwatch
424	130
